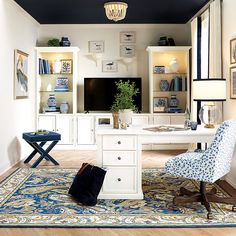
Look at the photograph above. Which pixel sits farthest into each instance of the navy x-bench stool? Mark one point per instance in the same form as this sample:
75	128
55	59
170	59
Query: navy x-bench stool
33	139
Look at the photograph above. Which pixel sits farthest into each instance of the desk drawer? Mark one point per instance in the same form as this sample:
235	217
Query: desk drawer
111	142
119	158
120	180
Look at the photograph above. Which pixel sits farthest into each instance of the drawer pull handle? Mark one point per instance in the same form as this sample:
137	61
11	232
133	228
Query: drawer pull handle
119	142
119	179
119	158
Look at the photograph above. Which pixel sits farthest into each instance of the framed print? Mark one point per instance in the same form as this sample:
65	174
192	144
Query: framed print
127	50
21	84
233	51
96	46
128	37
66	66
233	82
160	104
109	66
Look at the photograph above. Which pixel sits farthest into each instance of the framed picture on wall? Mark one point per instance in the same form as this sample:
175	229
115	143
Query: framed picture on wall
128	37
96	46
109	66
127	50
233	82
233	51
21	83
160	104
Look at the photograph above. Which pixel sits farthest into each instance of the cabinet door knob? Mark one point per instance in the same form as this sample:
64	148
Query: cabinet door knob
119	158
119	179
119	142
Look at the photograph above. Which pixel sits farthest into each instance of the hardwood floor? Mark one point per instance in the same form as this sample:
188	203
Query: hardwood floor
69	159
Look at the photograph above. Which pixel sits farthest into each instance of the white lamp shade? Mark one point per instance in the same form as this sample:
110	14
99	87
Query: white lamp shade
209	89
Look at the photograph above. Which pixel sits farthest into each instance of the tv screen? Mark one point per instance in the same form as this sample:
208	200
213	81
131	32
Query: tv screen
99	93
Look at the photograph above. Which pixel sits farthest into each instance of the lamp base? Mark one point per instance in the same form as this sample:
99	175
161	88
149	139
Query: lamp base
211	126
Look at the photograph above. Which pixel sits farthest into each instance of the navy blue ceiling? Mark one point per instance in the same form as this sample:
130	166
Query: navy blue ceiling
92	11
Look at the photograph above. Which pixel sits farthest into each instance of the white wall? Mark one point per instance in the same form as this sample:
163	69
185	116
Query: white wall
229	32
18	31
146	35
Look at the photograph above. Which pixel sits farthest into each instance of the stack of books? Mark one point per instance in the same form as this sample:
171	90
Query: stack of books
44	67
178	84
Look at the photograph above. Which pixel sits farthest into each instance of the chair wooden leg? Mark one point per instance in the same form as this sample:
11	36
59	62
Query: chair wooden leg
226	200
186	199
234	208
205	200
183	191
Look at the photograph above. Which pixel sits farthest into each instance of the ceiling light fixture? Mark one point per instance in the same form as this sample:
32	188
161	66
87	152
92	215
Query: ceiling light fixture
115	10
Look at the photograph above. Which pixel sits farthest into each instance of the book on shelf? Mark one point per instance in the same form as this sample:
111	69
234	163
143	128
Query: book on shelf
44	66
178	84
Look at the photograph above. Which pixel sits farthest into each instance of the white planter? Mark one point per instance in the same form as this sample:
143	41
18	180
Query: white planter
125	116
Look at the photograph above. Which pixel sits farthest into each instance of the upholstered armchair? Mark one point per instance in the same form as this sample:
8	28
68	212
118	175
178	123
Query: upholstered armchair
207	167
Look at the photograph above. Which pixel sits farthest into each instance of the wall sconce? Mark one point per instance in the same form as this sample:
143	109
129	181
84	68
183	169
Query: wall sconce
127	61
96	57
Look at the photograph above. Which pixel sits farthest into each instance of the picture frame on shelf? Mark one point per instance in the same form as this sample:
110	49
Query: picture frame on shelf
66	66
96	46
127	37
127	50
233	51
160	104
21	87
109	66
159	69
233	82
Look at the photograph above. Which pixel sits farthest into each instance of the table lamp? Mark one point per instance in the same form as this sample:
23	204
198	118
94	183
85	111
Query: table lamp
209	91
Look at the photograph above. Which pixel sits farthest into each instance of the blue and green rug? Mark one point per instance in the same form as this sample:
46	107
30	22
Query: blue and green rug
38	198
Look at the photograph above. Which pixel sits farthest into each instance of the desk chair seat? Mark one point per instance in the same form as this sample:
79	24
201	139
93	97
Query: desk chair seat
206	167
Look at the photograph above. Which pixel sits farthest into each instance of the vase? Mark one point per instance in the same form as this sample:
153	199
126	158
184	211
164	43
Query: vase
174	102
51	100
65	42
64	107
115	116
174	66
164	85
125	116
57	67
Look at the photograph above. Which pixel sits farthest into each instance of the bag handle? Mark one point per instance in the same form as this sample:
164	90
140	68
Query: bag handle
84	165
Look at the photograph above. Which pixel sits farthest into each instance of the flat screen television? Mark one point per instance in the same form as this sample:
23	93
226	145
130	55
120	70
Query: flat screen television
99	93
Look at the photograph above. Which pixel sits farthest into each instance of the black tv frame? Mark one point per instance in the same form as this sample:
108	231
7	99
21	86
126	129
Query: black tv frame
103	89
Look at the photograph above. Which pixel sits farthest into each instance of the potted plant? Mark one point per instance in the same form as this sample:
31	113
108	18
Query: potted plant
124	101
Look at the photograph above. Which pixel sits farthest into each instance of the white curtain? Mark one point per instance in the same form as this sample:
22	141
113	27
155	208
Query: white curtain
194	64
215	45
211	45
215	57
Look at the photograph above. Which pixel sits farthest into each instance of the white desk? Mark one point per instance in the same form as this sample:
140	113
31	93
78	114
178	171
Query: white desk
119	151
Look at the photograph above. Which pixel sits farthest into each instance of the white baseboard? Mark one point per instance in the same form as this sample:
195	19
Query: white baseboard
228	180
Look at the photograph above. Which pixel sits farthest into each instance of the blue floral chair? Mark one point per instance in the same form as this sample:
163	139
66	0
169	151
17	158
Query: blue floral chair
207	167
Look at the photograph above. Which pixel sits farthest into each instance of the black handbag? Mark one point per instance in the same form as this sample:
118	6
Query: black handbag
87	184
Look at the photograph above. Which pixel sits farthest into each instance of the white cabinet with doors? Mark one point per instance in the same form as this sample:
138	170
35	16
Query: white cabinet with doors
62	124
85	130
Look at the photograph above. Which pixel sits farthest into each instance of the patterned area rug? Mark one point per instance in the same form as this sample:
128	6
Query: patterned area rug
38	198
